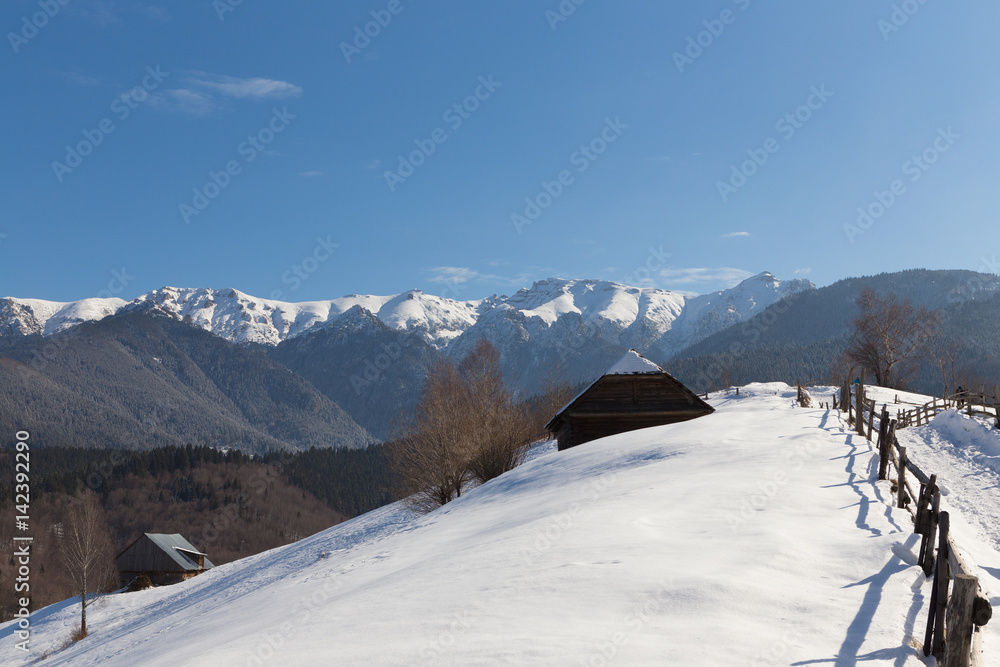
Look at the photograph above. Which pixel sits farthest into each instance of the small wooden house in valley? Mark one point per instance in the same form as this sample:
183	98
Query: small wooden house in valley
634	393
165	559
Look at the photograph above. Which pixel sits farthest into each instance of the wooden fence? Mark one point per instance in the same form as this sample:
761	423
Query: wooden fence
969	402
954	621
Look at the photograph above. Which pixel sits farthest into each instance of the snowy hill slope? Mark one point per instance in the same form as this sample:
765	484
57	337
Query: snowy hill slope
626	316
752	536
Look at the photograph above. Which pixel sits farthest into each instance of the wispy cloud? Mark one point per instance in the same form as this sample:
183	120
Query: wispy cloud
803	271
78	79
732	235
311	174
373	163
189	102
99	12
255	88
156	13
456	279
454	275
693	276
203	94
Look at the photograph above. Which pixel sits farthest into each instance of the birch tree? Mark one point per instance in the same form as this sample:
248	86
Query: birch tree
87	553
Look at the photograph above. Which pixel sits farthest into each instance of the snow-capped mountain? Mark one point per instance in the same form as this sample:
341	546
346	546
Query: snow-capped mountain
555	311
709	313
242	318
34	316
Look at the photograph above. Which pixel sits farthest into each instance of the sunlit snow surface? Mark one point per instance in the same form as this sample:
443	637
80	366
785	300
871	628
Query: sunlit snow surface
756	533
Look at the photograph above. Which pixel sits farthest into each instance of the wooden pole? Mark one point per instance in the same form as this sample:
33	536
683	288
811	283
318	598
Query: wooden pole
958	648
930	528
871	419
859	410
883	447
941	581
901	490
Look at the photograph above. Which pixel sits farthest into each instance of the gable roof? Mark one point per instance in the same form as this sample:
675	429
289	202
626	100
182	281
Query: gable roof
176	548
632	363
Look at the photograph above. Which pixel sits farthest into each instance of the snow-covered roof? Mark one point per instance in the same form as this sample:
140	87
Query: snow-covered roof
632	363
178	548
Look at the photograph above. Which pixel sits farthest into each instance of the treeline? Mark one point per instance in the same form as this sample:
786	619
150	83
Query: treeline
351	481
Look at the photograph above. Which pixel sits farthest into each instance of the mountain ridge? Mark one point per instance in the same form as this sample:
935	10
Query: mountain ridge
630	316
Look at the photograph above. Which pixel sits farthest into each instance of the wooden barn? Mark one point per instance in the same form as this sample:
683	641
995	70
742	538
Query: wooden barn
165	559
634	393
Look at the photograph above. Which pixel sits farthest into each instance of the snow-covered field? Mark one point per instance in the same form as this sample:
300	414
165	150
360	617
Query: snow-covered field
753	536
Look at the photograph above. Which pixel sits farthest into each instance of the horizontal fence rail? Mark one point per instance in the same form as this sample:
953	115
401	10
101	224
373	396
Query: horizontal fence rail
958	606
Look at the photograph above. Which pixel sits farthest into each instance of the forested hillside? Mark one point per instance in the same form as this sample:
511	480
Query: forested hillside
137	382
800	337
226	503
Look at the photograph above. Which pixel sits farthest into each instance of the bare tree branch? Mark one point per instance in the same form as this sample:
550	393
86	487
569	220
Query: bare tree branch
890	336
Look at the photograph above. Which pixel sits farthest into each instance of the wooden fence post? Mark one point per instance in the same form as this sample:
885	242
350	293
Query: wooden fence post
871	420
883	449
941	581
901	487
930	528
859	410
958	645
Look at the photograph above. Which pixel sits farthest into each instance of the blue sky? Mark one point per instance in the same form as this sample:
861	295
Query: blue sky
621	122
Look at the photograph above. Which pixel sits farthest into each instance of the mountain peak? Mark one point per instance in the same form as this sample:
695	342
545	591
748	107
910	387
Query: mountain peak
622	314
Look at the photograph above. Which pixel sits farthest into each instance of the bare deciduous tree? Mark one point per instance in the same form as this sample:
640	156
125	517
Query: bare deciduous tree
467	426
501	428
556	393
87	553
890	336
430	458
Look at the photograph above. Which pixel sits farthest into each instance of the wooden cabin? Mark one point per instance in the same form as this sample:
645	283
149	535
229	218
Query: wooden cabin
634	393
165	559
